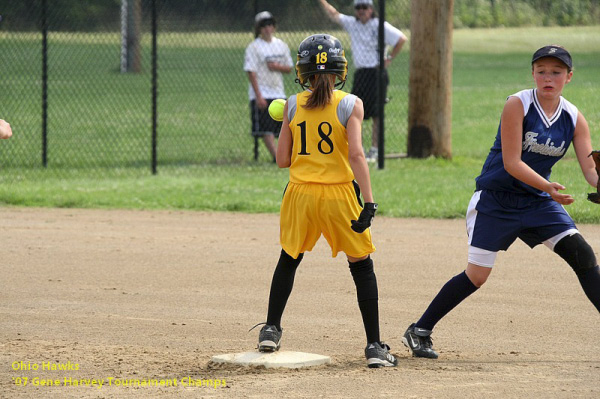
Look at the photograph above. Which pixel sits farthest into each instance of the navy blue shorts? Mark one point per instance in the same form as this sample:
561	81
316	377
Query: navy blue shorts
365	86
495	219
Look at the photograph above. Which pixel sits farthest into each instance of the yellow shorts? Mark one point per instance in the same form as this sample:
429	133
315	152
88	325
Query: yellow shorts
309	210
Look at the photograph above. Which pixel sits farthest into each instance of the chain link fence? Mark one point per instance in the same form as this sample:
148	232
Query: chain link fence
89	86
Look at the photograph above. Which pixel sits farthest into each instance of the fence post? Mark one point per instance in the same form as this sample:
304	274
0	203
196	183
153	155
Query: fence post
44	23
154	90
255	137
380	88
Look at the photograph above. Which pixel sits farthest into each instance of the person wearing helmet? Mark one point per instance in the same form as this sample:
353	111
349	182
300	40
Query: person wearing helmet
265	60
320	142
363	28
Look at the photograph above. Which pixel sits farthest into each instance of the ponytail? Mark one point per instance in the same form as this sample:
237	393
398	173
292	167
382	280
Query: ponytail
322	90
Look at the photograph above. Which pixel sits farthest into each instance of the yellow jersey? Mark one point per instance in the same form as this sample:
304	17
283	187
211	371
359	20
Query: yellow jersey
319	143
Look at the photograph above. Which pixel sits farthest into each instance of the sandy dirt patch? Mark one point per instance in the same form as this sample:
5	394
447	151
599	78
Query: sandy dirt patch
139	295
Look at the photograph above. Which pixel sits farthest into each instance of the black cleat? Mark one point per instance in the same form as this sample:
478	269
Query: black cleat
378	355
418	340
269	339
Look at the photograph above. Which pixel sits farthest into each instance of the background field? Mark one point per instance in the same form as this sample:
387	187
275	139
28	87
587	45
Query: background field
156	290
488	66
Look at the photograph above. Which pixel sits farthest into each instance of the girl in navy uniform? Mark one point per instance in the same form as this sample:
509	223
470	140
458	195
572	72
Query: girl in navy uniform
515	197
320	142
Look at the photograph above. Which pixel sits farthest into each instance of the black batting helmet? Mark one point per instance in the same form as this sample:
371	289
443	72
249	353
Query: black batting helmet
321	53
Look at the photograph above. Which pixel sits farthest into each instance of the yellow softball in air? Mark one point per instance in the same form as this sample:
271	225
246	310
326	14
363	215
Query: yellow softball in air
276	109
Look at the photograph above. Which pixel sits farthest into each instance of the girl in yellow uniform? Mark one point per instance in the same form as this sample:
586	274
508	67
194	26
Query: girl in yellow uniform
320	141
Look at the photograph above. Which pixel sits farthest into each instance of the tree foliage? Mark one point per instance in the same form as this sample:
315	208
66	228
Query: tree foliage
238	15
495	13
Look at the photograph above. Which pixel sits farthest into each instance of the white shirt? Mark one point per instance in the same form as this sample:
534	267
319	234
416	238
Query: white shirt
365	40
258	53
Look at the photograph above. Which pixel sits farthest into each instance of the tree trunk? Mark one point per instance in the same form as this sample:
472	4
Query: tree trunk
430	87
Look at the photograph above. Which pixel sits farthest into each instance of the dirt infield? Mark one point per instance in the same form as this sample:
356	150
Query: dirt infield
120	296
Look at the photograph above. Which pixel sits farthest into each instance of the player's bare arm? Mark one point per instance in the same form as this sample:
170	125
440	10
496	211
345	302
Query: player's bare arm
582	143
284	145
356	155
512	137
330	10
395	50
5	129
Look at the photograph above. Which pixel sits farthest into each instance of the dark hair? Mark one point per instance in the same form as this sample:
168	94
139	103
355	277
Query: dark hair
262	23
322	90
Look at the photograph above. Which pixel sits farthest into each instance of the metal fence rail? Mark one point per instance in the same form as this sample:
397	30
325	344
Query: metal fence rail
73	107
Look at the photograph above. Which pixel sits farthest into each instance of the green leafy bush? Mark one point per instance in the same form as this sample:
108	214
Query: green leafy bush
514	13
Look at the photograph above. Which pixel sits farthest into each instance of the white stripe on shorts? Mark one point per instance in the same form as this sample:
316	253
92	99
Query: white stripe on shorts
472	214
477	256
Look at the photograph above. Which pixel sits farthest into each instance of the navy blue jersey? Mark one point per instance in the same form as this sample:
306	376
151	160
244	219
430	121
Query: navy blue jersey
545	141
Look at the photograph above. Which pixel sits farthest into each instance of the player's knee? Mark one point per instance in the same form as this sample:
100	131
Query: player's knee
477	279
577	253
364	279
478	275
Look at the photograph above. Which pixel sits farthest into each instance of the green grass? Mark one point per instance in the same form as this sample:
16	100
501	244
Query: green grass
205	151
431	188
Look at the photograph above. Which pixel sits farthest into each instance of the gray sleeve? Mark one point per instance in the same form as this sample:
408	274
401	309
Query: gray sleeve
291	101
345	108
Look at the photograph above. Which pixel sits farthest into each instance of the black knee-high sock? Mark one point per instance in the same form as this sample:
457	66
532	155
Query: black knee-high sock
367	295
580	256
590	282
281	287
452	293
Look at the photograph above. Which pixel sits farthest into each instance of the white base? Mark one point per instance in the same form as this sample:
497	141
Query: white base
286	359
